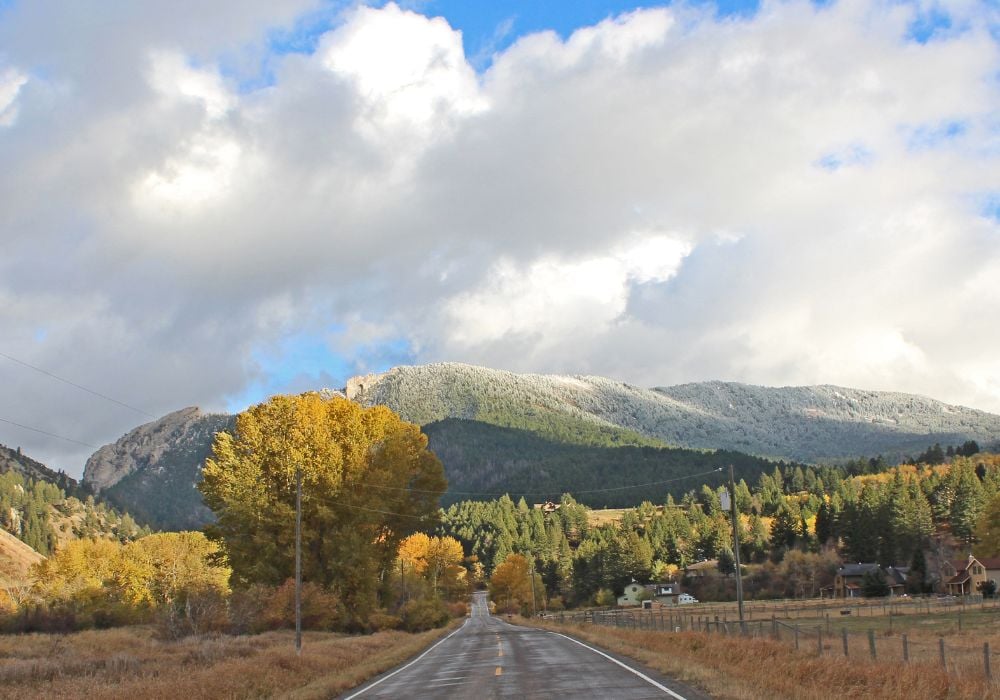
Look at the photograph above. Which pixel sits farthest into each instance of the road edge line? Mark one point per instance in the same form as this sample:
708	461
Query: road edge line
403	668
628	668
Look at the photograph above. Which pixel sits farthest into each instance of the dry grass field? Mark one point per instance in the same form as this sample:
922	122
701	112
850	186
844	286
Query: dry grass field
733	668
131	663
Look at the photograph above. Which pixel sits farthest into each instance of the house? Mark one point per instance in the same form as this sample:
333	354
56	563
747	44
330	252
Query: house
709	567
849	582
967	575
634	594
665	593
547	507
662	593
895	578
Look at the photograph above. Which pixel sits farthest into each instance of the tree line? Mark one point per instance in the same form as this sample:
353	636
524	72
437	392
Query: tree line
809	516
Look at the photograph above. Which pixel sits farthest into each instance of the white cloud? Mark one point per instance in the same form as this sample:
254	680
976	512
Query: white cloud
408	70
662	197
551	298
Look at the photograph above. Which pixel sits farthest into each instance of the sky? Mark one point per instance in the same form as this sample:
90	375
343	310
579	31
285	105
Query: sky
207	203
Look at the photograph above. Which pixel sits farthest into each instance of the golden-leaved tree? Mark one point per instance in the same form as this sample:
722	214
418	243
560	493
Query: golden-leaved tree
368	481
438	560
512	582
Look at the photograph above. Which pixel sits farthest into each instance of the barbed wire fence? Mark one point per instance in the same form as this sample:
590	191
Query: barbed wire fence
959	654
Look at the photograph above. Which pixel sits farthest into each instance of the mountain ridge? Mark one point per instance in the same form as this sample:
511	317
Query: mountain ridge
151	471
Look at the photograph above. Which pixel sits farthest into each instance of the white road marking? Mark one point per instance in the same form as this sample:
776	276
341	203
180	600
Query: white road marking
641	675
365	690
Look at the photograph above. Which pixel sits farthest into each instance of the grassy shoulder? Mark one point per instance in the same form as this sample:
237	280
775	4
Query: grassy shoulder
131	662
731	668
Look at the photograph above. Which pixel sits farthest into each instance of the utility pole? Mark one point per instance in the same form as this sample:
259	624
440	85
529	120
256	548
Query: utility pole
736	546
298	561
531	582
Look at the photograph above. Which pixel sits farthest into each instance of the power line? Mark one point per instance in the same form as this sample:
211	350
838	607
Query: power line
74	384
546	493
320	499
46	432
370	510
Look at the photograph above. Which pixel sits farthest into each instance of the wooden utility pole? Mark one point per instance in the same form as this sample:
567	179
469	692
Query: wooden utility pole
736	545
531	581
298	560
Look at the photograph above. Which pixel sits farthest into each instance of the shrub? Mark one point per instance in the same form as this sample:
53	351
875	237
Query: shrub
605	597
458	609
195	612
321	609
421	614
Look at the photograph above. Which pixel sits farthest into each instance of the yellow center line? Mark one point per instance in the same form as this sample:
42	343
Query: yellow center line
499	672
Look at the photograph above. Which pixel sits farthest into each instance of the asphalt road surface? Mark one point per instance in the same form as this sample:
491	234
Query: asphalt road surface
489	658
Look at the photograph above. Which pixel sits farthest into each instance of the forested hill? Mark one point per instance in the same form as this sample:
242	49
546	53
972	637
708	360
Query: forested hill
43	509
483	461
12	460
806	424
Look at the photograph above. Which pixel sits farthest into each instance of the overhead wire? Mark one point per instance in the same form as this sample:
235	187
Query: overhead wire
46	432
548	492
74	384
328	501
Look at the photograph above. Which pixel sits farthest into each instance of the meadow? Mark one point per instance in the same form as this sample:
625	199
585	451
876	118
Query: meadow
796	649
131	662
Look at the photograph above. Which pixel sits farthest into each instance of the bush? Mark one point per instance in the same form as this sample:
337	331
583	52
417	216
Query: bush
420	614
321	609
196	612
383	620
458	609
605	597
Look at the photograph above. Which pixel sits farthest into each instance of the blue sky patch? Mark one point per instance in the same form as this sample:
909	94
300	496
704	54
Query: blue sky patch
926	136
305	362
927	25
854	154
990	206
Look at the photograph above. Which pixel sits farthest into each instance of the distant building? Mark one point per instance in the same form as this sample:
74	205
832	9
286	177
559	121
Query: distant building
709	567
662	593
547	507
849	582
967	575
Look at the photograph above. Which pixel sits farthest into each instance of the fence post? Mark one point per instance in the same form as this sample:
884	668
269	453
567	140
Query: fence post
774	626
906	649
871	643
843	632
796	636
819	641
986	660
944	661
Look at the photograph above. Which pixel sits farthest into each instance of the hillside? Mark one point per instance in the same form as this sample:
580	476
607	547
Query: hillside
486	461
151	471
808	424
16	559
13	460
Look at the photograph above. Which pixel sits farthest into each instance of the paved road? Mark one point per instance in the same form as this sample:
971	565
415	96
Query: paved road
489	658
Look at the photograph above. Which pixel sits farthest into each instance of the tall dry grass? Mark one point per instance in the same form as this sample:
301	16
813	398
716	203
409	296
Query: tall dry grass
129	663
733	668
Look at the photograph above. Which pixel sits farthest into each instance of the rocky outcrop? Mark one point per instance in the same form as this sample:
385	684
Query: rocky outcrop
152	470
145	447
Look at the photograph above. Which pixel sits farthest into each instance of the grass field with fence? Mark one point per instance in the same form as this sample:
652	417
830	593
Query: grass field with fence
957	636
